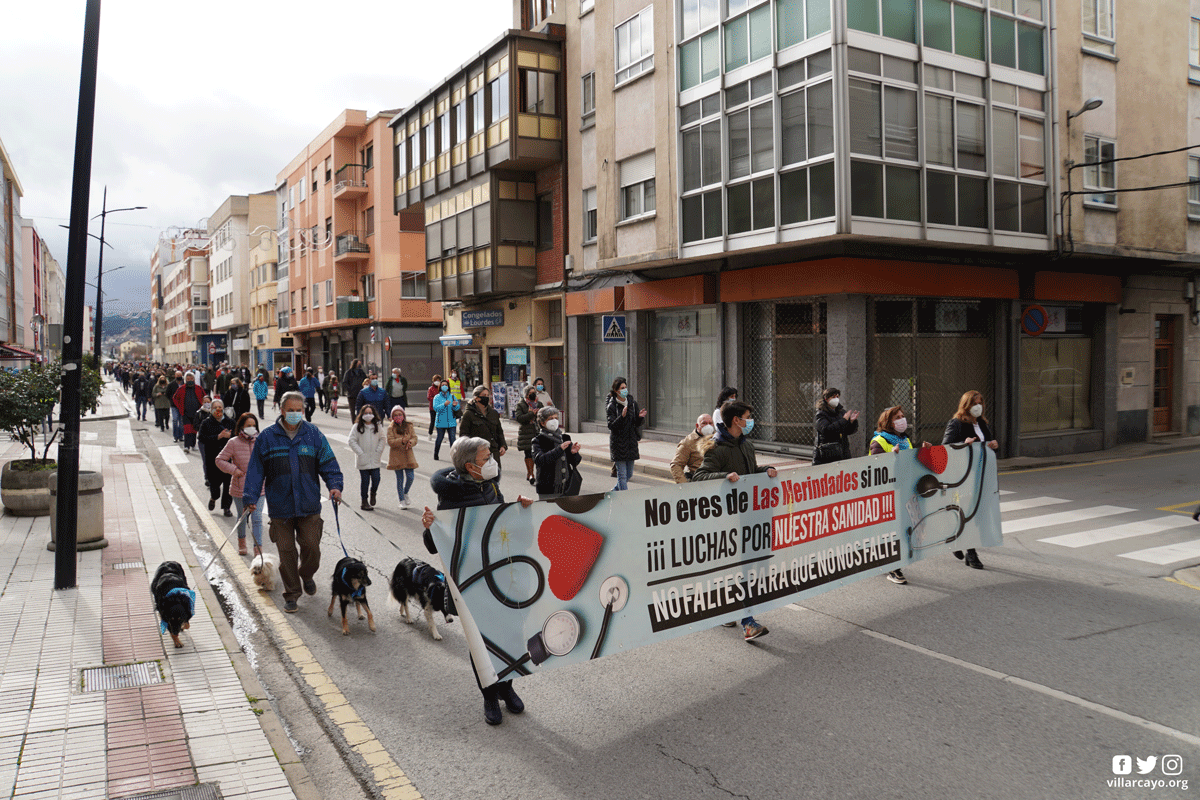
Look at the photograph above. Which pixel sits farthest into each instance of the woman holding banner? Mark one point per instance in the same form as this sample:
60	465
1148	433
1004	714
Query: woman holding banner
890	438
968	426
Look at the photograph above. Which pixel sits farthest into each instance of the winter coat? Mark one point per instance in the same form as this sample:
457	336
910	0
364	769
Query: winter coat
527	417
209	434
162	393
285	384
832	426
287	470
688	456
725	455
403	381
238	400
367	445
431	393
376	397
261	389
485	425
188	404
623	431
455	489
234	459
308	386
141	389
443	409
223	381
352	380
958	431
552	464
401	456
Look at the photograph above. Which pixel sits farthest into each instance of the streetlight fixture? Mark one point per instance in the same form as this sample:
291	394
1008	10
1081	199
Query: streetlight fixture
104	212
1091	104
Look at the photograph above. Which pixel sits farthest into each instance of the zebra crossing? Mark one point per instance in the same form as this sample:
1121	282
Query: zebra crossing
1166	539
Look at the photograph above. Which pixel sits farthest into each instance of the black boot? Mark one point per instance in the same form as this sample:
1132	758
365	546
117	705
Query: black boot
972	559
958	554
511	701
372	497
491	706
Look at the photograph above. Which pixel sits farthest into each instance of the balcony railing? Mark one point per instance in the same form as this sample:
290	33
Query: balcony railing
350	181
352	245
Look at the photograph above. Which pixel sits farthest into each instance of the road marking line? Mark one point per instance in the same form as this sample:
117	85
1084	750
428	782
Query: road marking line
1167	554
1117	532
1006	491
1043	689
125	443
1032	502
1062	518
392	781
1176	508
1182	583
173	455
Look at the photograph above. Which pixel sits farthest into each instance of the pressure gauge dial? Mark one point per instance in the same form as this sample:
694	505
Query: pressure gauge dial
558	636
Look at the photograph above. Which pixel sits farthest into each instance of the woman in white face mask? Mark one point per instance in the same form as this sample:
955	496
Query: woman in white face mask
968	426
835	425
234	458
555	458
890	437
367	441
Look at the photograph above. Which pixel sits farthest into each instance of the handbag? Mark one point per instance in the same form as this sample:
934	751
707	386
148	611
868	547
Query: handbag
827	452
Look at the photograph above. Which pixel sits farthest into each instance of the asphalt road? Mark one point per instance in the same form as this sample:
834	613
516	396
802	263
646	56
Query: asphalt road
1020	681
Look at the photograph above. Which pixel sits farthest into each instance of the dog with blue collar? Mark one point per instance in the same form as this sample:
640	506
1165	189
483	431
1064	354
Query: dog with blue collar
350	582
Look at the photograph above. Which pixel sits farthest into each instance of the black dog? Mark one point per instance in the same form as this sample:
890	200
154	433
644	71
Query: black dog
350	582
173	600
423	583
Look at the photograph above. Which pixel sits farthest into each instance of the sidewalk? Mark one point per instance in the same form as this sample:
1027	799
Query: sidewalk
153	717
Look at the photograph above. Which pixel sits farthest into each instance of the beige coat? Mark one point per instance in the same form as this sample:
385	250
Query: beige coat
401	443
688	456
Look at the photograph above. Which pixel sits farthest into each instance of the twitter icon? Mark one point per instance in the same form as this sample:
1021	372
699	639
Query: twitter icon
1145	765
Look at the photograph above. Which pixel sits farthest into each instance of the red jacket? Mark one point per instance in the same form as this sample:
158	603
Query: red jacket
181	393
432	393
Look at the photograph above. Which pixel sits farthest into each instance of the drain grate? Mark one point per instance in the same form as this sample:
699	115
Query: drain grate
130	565
125	676
204	791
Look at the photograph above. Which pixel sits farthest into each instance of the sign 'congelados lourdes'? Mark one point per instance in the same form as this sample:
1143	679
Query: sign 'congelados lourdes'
578	578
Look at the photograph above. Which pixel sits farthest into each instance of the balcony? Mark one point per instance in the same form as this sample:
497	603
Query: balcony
350	182
351	307
351	247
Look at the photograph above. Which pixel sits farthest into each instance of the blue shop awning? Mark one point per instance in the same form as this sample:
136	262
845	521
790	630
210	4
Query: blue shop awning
462	340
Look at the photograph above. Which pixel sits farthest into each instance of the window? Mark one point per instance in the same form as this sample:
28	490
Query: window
499	91
748	38
554	314
368	157
329	292
316	295
698	15
477	115
1100	176
1098	31
588	95
1194	187
429	143
369	221
797	20
412	285
460	122
1056	378
545	222
369	286
303	302
589	215
303	190
700	59
443	124
635	45
328	168
537	92
637	186
314	179
1194	50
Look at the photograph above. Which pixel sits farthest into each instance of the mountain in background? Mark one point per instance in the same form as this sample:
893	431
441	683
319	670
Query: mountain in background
120	328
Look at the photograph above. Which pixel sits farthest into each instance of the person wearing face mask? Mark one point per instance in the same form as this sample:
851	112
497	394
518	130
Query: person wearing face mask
479	419
688	455
456	387
215	430
543	396
161	395
234	459
367	442
625	421
402	438
309	386
526	416
188	400
445	405
374	395
141	394
435	387
289	460
728	395
352	381
261	389
968	426
891	437
729	455
396	390
835	425
286	383
555	457
474	480
236	399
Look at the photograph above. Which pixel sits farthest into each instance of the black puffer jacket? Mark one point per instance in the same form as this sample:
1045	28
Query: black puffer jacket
527	417
623	430
485	426
832	426
549	460
457	490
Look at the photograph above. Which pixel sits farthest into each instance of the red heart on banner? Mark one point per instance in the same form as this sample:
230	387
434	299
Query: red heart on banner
572	549
934	458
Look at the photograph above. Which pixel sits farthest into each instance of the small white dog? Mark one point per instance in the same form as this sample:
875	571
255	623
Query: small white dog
263	569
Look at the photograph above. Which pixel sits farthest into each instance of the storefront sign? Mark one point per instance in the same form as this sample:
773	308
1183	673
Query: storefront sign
613	327
462	340
482	319
516	356
570	580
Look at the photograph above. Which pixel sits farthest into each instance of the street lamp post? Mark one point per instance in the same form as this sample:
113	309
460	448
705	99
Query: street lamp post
104	212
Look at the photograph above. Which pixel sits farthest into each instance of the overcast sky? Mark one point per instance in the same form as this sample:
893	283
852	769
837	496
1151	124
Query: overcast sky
198	101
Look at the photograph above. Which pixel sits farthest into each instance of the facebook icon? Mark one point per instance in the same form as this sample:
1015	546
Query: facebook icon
1122	765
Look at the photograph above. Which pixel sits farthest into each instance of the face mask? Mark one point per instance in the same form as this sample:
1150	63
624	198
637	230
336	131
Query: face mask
834	402
190	383
453	374
541	388
249	432
397	420
374	384
749	426
293	418
217	413
207	406
901	425
484	400
552	425
445	390
489	470
624	393
368	417
977	410
707	430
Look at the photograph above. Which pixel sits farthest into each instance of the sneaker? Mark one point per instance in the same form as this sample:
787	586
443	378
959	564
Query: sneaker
511	701
228	513
896	576
310	586
728	624
403	503
290	606
407	502
752	630
432	438
491	709
366	506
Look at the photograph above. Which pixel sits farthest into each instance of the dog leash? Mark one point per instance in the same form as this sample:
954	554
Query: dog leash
337	520
245	513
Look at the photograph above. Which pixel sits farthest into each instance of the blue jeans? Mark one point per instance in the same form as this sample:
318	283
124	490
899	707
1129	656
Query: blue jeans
437	446
142	403
255	521
624	473
176	424
370	480
404	482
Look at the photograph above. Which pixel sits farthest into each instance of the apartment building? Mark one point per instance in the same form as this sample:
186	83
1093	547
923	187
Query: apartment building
266	349
239	229
12	332
186	311
355	281
173	246
480	169
42	275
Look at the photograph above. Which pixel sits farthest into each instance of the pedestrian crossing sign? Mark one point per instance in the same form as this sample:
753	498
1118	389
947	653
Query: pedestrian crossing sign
613	327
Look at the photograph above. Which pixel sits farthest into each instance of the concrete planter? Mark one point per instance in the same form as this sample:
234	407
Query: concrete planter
24	494
89	528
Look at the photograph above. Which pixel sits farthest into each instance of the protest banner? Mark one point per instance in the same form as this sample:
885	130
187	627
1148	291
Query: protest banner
575	579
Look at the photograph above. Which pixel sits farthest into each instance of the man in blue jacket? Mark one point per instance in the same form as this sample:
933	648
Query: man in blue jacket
289	457
374	395
309	386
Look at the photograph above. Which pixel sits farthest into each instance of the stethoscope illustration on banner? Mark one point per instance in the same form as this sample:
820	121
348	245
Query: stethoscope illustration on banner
578	547
935	527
